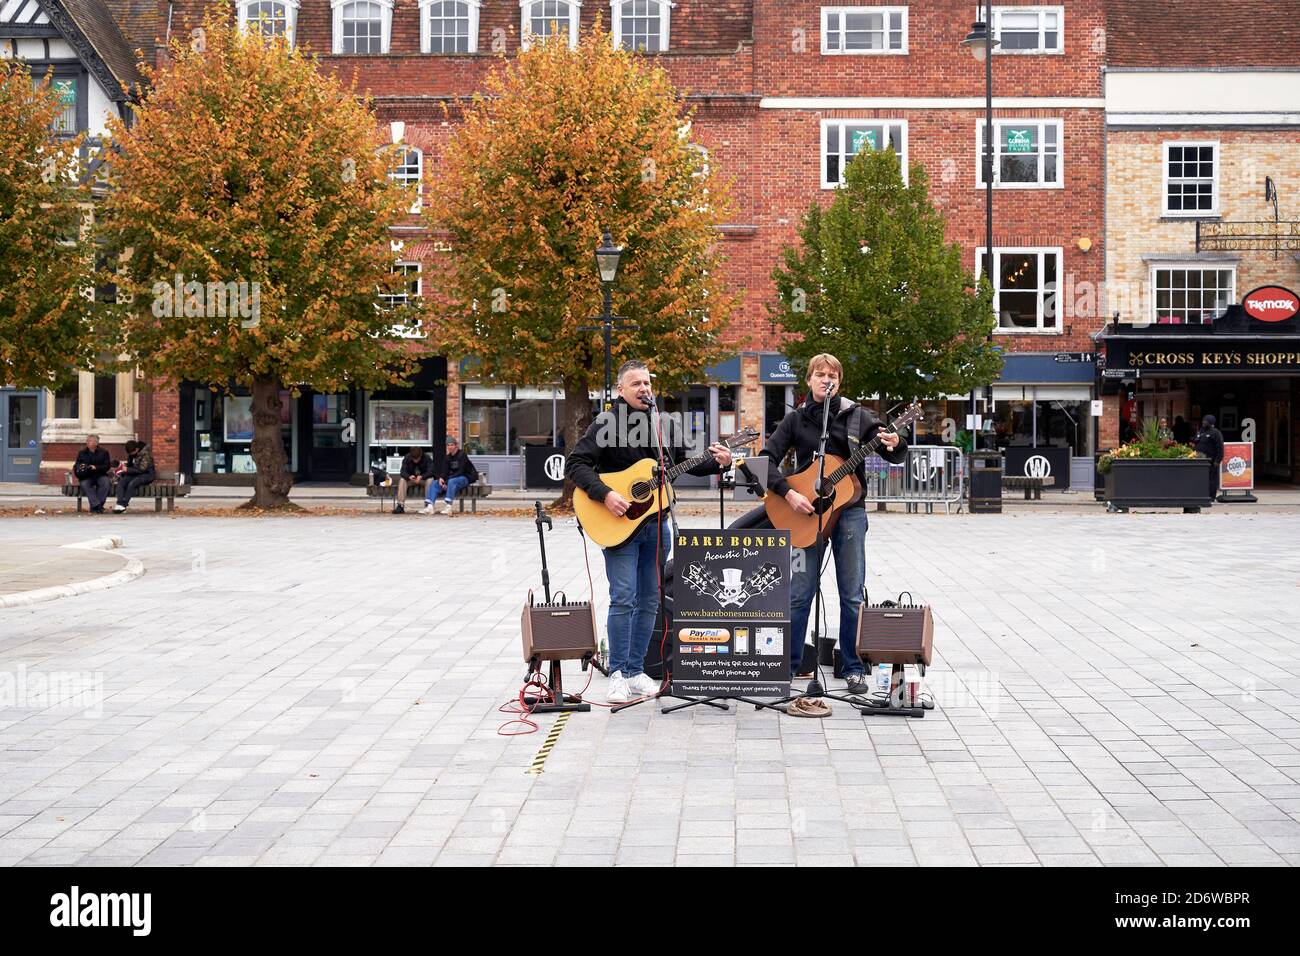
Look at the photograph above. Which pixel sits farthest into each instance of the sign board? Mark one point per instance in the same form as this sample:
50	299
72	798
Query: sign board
1237	470
1259	236
1072	357
861	137
1121	373
1096	408
1019	140
543	466
731	613
1271	303
1041	462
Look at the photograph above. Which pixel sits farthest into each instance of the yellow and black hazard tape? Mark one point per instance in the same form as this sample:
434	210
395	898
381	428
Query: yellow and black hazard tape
549	743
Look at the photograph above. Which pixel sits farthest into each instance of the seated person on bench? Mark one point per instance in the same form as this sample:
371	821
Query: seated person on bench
92	469
417	468
458	473
133	474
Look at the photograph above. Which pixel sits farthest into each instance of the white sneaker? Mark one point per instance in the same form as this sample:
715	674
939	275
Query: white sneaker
118	509
427	509
643	685
617	692
446	508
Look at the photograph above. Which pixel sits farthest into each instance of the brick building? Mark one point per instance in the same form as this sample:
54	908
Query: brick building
784	92
1202	180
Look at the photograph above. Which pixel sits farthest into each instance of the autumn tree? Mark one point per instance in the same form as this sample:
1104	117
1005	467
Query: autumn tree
250	202
874	282
562	145
45	273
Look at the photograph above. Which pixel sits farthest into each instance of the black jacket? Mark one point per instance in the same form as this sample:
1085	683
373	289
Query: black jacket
801	430
627	438
422	469
459	464
92	464
1209	442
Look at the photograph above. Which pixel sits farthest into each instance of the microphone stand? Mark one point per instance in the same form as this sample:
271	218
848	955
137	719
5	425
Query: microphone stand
815	688
660	468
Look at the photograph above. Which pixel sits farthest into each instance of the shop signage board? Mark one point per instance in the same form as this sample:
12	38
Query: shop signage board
731	613
1020	140
1237	470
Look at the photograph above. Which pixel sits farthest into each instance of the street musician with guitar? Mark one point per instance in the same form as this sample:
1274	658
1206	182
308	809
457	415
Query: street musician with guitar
851	426
616	441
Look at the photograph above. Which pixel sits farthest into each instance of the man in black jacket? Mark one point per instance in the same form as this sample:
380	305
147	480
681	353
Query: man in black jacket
1209	442
136	472
91	469
458	473
417	469
801	430
616	440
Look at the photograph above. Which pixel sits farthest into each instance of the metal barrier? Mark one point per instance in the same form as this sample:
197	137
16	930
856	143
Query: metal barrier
930	475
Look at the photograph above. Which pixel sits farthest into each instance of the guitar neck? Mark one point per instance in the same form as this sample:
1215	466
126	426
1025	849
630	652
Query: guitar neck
858	457
681	468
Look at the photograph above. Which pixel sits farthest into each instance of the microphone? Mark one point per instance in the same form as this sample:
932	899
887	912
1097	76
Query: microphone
647	399
830	386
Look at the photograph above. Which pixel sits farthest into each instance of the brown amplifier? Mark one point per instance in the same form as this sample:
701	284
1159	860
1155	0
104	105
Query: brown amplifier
895	633
562	630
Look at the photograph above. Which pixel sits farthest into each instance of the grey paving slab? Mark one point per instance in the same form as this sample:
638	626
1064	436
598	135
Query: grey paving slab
267	694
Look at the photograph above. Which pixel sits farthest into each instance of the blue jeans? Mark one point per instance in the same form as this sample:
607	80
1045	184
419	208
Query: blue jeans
848	544
454	487
634	596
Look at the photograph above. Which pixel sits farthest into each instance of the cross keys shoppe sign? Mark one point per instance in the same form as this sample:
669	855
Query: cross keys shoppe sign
1258	337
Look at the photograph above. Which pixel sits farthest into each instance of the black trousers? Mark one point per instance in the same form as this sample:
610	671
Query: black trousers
126	487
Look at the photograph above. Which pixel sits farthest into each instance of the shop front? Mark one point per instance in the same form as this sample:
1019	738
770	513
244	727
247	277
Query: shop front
1042	417
1243	371
328	437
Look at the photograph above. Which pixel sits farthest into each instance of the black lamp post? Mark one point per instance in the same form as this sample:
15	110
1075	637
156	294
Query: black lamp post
608	256
980	42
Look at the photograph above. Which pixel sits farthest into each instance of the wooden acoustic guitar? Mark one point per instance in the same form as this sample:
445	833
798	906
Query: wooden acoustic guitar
646	492
841	490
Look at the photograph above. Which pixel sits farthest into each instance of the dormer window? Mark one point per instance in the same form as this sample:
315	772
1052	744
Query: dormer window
270	17
544	19
449	26
362	26
641	25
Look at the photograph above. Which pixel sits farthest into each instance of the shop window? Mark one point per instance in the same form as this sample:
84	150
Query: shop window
843	139
1027	29
1024	294
1190	295
223	432
1028	154
864	30
483	417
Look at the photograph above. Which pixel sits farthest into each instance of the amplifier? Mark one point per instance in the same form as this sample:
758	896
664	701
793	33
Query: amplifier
563	630
895	633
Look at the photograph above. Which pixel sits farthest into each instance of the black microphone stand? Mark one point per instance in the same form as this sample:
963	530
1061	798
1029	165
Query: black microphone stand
824	498
659	471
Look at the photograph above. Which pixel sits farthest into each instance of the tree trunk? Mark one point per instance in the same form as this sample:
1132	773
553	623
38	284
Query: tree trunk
577	416
273	479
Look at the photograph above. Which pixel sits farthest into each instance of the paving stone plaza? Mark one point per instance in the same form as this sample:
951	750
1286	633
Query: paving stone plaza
1111	690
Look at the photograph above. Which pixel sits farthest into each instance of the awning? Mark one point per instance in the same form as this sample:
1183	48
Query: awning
1047	368
1042	393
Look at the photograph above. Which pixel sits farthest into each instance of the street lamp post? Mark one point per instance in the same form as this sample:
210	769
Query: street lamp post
980	42
608	256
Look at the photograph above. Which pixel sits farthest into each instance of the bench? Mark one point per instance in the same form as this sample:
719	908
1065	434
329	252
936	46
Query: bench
1032	486
472	493
160	490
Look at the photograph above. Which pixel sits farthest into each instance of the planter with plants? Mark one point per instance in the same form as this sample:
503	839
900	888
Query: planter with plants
1154	471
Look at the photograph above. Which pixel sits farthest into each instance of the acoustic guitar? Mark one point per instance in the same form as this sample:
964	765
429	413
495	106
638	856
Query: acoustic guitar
841	489
646	492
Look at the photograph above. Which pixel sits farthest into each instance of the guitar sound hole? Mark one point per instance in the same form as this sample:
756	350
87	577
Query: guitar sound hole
641	490
825	503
